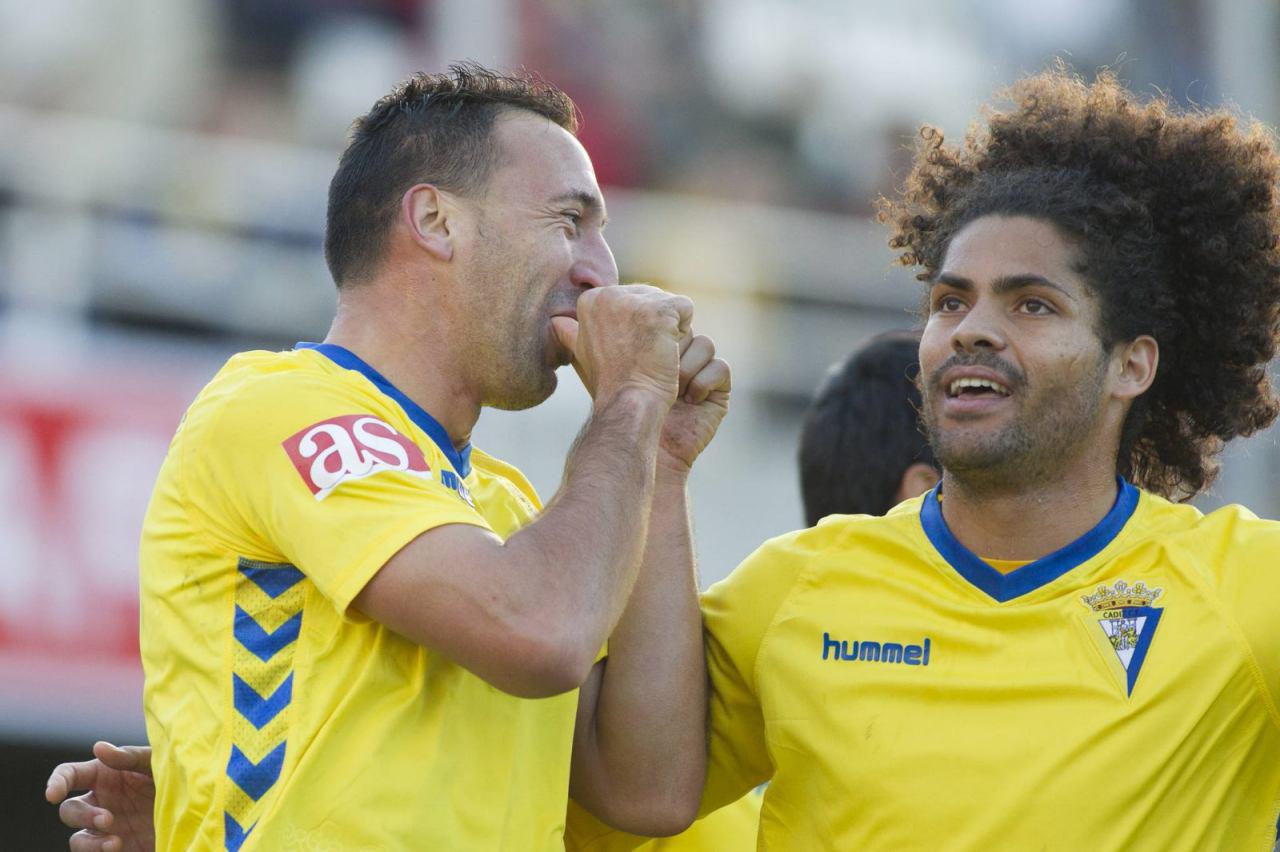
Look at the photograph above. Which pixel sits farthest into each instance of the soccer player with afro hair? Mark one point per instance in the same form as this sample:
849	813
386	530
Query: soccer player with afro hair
1049	649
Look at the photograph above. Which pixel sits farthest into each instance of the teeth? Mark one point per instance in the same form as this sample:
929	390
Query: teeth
959	384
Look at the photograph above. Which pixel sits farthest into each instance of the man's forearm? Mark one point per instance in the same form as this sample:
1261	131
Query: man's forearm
589	541
645	751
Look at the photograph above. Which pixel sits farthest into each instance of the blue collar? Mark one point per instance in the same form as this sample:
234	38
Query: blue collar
1046	569
460	459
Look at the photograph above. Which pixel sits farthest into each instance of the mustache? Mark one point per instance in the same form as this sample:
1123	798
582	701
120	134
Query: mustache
1012	376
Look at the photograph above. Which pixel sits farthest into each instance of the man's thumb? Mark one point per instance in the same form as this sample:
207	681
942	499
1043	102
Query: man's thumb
124	758
566	331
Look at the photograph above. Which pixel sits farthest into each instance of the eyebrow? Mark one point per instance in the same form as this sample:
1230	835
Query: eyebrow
1004	284
589	200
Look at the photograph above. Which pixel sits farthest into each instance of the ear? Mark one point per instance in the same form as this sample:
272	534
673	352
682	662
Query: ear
426	211
916	480
1135	367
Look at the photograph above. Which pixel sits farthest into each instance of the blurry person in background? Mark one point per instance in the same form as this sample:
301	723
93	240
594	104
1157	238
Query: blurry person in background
1048	649
358	630
862	449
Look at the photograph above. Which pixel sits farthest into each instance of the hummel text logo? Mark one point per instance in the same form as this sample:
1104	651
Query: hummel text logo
875	652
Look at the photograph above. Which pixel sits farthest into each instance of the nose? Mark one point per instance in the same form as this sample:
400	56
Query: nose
979	330
594	265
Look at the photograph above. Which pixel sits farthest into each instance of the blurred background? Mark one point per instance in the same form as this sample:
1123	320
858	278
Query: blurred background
163	170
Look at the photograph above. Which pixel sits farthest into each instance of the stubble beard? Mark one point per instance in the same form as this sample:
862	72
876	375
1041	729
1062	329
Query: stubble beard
1034	448
520	373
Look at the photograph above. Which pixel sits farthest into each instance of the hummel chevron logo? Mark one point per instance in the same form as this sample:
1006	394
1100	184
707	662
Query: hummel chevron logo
258	710
260	643
255	778
275	580
235	834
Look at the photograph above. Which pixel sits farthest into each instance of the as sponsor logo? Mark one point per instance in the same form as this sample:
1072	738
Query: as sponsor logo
350	447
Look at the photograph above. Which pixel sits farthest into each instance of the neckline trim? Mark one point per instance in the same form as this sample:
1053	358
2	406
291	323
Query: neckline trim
1033	575
343	357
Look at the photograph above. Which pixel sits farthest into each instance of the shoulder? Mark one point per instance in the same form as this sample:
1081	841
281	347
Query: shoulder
1226	531
275	397
264	382
1232	539
768	576
489	468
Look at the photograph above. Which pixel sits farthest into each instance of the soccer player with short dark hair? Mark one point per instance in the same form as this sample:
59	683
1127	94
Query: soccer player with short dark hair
347	610
1044	651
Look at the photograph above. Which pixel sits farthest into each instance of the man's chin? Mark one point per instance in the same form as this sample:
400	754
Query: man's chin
959	450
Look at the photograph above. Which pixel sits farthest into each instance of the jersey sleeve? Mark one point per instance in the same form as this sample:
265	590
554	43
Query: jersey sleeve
297	470
737	613
1249	584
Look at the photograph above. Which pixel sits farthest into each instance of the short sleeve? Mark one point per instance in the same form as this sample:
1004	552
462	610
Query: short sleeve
288	467
1249	585
737	613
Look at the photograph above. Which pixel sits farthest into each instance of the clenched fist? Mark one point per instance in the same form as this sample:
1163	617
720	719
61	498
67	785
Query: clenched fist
705	382
627	337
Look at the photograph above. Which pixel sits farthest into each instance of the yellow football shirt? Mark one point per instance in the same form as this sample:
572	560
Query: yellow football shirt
282	718
1120	693
732	828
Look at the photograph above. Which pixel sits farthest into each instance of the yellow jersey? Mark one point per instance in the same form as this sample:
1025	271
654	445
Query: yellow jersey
732	828
1120	693
280	717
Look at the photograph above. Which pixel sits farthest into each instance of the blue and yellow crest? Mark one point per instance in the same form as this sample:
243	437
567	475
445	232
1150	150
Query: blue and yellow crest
1128	621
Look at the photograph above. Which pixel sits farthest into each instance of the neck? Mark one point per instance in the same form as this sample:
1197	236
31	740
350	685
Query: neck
411	348
1026	521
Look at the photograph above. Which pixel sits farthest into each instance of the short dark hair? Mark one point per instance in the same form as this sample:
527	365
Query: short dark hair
863	430
432	128
1176	219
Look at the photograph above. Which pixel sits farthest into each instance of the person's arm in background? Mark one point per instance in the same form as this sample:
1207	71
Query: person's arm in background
640	742
115	815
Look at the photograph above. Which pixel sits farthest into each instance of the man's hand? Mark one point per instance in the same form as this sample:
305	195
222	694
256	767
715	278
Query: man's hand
703	402
627	336
116	814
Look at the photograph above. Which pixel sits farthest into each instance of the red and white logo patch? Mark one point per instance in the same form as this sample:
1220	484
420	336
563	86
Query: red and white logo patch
353	446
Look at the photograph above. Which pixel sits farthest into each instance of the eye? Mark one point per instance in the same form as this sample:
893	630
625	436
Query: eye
948	303
1036	307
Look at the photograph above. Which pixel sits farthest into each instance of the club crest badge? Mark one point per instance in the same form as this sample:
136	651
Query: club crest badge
1127	620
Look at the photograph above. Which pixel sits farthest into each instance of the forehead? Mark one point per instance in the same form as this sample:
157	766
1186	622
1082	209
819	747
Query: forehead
995	247
538	157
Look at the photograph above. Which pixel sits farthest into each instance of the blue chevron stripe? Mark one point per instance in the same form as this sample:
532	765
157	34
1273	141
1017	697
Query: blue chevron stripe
255	778
235	835
257	709
262	644
276	580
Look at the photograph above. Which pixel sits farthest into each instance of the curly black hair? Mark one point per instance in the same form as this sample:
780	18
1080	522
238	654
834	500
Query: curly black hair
1175	216
431	128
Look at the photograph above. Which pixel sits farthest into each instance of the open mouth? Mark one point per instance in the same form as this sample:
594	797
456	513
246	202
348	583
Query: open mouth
970	388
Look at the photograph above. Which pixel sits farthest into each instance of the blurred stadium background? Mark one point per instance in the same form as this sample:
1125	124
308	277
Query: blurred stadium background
163	168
